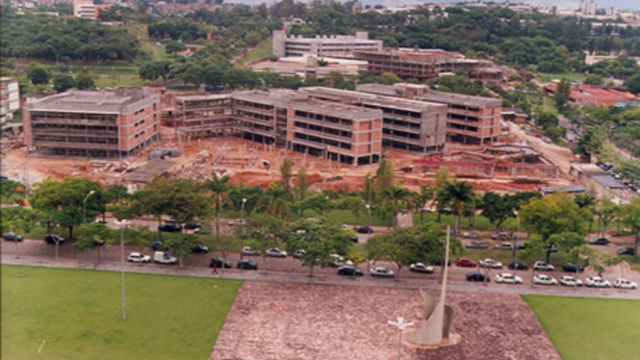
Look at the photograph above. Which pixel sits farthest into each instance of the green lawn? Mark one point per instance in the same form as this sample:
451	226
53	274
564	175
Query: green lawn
569	76
77	314
589	329
262	50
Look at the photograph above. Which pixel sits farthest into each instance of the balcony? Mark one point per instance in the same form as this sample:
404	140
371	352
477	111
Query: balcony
324	123
402	139
322	134
75	133
89	122
405	128
72	145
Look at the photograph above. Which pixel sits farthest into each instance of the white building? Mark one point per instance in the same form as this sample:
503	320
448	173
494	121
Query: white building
322	45
84	9
9	98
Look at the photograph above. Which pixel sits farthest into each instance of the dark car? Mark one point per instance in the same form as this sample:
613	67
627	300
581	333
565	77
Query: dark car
440	262
600	241
500	236
570	267
627	251
156	245
364	230
247	264
53	238
349	271
476	276
10	236
220	263
517	265
192	226
201	249
170	227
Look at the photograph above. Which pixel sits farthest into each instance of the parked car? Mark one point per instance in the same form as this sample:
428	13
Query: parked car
192	226
477	244
568	280
627	251
517	265
201	249
597	281
570	267
600	241
348	270
503	246
220	263
337	260
161	257
11	236
275	252
53	239
541	265
247	264
471	235
491	264
421	268
156	245
364	230
247	251
298	254
138	258
381	271
465	262
240	222
621	283
500	236
542	279
476	276
506	278
170	227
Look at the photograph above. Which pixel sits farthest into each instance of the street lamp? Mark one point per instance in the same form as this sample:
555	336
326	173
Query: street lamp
369	210
84	205
122	225
244	200
401	325
515	243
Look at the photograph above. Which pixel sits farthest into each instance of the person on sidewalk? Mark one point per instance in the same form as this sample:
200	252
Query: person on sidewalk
215	269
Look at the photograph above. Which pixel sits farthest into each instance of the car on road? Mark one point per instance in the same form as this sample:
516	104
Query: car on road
596	281
517	265
541	265
170	227
627	251
477	244
348	270
465	262
247	251
337	260
156	245
506	278
500	236
476	276
600	241
247	264
542	279
382	271
491	264
571	267
503	246
275	252
364	230
11	236
192	226
53	239
161	257
220	263
298	253
471	235
421	268
138	258
201	249
568	280
622	283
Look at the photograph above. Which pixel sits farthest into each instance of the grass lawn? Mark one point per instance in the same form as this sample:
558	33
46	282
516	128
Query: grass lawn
262	50
78	314
589	329
569	76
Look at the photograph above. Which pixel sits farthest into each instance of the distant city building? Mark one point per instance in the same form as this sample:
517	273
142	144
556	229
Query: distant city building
591	59
92	123
588	8
9	98
86	9
322	45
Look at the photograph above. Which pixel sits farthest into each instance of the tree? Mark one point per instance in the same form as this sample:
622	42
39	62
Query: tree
606	210
252	194
317	202
563	93
631	218
591	141
456	195
587	202
593	79
16	219
157	69
633	83
385	176
263	232
220	188
427	193
355	205
275	201
84	81
302	183
181	245
396	197
496	208
173	47
286	174
319	238
63	82
96	236
38	74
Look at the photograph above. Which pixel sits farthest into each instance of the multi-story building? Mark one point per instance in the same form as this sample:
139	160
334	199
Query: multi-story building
409	125
92	123
9	98
469	118
86	9
322	45
344	133
421	64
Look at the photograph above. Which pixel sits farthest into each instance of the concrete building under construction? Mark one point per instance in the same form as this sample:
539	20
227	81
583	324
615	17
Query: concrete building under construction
92	123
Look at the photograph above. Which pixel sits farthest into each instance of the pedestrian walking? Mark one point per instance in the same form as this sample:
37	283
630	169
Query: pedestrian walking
215	269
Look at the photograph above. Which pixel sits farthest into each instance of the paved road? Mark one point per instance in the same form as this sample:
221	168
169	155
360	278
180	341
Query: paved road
37	253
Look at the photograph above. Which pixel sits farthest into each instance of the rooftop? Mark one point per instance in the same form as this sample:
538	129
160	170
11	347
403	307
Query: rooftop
423	93
122	100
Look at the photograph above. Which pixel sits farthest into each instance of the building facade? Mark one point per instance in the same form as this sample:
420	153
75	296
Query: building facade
322	45
9	98
92	123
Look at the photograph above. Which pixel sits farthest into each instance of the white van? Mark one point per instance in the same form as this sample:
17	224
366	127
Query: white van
162	258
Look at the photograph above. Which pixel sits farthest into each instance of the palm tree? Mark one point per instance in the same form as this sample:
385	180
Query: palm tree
276	200
457	195
220	188
397	197
586	201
